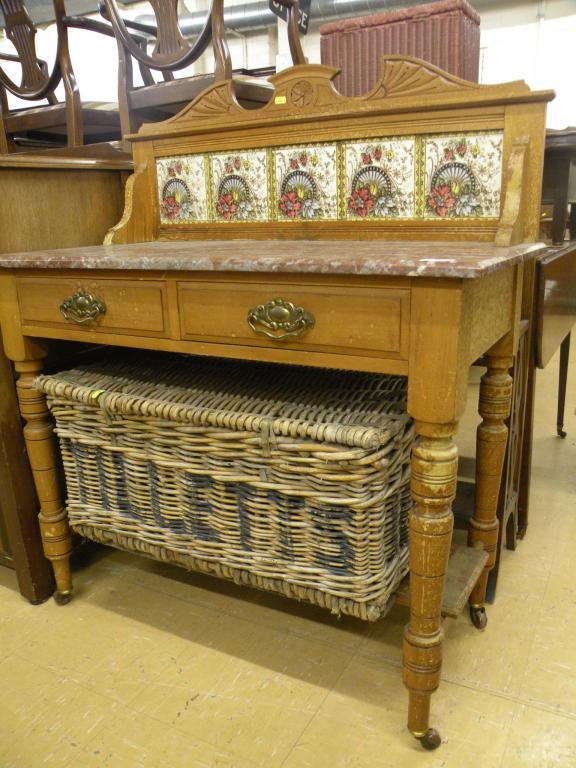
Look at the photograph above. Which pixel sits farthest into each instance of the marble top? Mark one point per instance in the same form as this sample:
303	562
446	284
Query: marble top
344	257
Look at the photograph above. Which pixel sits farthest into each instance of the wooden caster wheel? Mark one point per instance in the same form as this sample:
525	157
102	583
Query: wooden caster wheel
62	598
431	739
478	616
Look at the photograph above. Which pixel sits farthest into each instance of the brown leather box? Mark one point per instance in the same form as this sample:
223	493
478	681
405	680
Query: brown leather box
446	34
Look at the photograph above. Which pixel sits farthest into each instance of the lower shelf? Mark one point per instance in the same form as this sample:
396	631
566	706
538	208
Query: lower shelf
464	569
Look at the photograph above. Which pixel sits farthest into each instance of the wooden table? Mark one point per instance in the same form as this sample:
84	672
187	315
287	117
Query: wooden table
47	200
403	220
559	181
556	314
423	310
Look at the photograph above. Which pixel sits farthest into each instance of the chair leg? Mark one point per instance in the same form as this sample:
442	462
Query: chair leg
4	139
560	209
562	380
572	221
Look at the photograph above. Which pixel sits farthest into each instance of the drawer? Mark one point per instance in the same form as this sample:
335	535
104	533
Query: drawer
338	319
133	307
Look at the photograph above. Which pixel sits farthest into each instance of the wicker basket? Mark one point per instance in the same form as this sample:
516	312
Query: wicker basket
287	479
445	33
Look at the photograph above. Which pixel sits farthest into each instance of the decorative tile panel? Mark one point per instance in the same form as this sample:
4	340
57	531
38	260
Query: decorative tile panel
305	186
449	176
379	179
463	176
182	189
239	186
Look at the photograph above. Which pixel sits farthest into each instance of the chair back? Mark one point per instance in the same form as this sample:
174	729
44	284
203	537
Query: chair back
36	82
172	52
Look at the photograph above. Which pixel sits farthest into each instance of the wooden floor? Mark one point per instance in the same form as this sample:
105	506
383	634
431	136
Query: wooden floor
152	667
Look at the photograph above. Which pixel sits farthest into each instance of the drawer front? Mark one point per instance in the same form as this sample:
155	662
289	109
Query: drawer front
131	307
349	320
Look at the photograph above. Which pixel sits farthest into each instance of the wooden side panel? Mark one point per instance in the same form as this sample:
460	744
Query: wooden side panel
137	223
57	208
528	120
491	302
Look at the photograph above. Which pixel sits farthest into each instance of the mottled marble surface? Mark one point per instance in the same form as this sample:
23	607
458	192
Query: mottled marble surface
344	257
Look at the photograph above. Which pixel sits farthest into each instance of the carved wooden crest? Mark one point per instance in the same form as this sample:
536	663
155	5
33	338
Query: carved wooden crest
307	91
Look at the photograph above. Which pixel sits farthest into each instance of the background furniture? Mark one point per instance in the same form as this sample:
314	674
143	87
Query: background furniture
58	122
20	543
45	202
53	200
559	191
550	297
445	33
559	182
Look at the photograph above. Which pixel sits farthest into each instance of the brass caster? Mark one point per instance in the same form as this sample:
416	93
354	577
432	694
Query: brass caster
478	616
62	598
430	739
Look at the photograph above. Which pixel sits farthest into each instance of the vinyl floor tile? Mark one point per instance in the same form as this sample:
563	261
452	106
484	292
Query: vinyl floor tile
241	675
139	741
371	701
540	739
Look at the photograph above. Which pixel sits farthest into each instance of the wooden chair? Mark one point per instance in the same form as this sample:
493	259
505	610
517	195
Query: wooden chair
171	53
52	123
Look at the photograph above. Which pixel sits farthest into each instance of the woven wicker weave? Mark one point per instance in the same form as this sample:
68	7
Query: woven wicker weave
288	479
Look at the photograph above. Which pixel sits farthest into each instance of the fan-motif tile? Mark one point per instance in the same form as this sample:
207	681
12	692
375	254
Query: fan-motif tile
182	189
463	176
305	187
379	179
239	186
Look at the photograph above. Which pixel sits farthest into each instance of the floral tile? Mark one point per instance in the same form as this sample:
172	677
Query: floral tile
239	186
379	178
463	176
182	189
305	183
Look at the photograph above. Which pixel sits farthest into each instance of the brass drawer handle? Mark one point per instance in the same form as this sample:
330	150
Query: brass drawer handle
82	308
279	319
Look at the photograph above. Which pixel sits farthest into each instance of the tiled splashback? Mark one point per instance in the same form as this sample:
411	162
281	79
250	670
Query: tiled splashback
426	177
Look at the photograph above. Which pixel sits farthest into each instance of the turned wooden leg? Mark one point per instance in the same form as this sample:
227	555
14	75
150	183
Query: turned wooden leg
491	438
434	469
41	447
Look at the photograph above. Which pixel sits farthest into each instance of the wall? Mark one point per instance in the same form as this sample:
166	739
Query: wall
534	41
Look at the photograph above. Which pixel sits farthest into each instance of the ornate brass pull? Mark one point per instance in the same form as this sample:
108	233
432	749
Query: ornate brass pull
82	308
279	319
